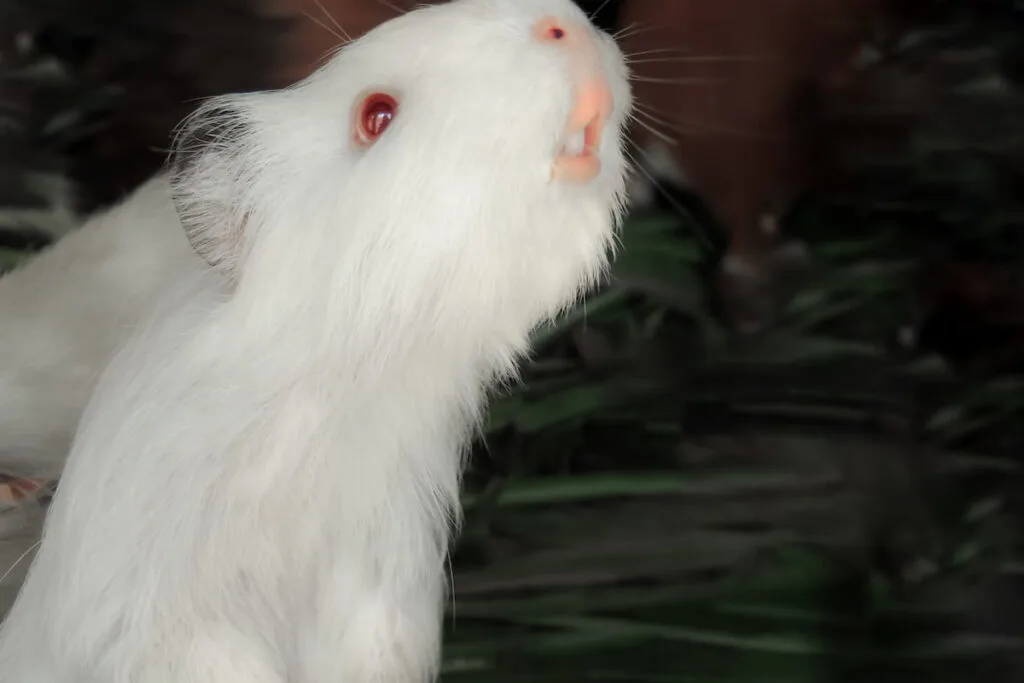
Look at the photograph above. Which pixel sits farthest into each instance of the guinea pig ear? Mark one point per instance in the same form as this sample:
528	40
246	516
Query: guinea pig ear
212	179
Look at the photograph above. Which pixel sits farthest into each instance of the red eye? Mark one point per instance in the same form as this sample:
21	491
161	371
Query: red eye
374	116
556	33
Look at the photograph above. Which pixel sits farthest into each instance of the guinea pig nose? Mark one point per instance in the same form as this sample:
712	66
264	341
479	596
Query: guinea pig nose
592	103
591	107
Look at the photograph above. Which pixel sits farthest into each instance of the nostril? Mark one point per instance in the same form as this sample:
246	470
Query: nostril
550	30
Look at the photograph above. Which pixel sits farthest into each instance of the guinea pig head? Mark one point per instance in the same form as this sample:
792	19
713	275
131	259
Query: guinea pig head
469	152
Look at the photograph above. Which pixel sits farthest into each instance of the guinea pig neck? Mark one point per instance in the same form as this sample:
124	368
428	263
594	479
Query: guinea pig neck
379	327
387	310
396	346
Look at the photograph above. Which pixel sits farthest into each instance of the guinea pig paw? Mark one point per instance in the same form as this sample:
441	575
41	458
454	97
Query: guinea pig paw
14	490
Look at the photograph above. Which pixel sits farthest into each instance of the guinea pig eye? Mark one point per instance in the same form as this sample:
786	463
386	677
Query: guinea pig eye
373	117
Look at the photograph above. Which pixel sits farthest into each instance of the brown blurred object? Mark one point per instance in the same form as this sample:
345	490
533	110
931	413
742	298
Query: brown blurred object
731	89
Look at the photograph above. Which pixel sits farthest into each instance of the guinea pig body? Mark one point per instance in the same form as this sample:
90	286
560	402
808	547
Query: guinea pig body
64	313
62	316
263	484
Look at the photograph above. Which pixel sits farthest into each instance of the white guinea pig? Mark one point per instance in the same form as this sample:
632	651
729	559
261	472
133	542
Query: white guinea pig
62	315
64	312
263	485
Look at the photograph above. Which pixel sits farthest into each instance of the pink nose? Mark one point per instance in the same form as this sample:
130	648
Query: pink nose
592	98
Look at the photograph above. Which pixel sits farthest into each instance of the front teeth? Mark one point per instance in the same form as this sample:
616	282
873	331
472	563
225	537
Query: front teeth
574	146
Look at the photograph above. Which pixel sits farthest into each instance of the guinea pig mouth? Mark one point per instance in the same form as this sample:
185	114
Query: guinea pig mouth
577	159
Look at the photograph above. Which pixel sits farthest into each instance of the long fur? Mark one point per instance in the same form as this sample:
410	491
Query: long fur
62	316
263	486
64	313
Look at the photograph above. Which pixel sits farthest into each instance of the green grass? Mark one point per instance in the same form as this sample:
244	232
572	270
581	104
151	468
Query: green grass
686	506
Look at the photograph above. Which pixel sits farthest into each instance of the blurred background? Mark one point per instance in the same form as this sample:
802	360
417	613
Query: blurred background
783	444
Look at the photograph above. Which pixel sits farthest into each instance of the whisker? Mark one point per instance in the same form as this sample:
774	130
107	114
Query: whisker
698	229
680	51
393	7
623	30
646	107
689	128
654	131
633	30
334	21
656	51
599	8
697	59
678	81
342	38
21	558
692	130
690	55
330	52
451	584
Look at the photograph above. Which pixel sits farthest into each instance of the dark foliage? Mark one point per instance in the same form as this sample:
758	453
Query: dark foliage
837	498
100	85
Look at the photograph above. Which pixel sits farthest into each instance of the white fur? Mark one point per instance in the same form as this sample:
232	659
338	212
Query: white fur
64	312
62	315
263	485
